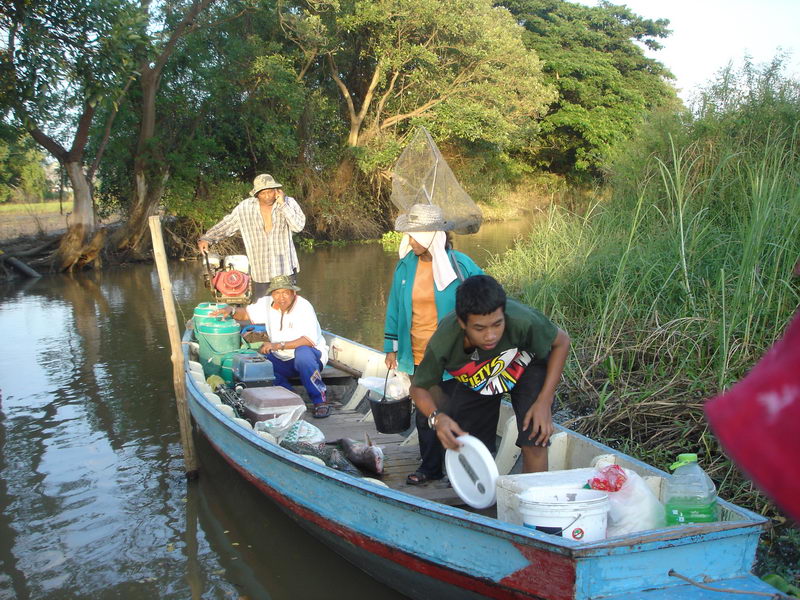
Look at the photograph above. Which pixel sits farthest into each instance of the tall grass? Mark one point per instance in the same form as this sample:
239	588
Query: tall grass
676	285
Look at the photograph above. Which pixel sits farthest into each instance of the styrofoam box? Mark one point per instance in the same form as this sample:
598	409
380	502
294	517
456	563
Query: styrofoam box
262	403
508	486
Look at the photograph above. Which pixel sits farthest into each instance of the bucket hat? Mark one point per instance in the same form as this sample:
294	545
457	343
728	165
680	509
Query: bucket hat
422	217
264	182
281	282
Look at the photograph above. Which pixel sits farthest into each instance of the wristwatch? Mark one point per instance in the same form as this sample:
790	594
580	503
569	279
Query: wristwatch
432	419
283	345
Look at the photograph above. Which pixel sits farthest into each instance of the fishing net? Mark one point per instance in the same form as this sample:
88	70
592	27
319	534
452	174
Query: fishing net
422	176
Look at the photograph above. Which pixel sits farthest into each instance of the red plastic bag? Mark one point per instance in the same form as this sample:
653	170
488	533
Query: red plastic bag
609	479
757	421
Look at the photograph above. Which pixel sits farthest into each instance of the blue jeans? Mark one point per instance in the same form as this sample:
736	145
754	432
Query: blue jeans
305	364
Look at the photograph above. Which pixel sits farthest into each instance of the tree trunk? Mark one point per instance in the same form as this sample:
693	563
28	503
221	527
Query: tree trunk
148	193
82	208
150	174
75	250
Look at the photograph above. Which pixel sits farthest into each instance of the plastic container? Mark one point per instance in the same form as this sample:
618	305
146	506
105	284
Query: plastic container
391	415
216	337
579	515
262	403
227	362
509	488
251	369
690	496
238	262
203	310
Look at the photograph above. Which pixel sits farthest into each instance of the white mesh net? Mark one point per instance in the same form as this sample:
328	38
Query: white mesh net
422	176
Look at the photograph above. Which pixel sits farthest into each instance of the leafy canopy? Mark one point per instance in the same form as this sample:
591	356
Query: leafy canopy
605	82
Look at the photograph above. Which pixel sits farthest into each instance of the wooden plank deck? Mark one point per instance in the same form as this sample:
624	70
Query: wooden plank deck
399	460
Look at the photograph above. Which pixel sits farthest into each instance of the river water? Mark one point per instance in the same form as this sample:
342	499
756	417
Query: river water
93	499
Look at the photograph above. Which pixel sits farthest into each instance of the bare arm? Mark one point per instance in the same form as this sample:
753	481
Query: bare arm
268	347
540	413
236	312
447	430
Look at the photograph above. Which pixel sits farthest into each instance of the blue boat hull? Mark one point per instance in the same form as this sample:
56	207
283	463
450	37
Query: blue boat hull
429	550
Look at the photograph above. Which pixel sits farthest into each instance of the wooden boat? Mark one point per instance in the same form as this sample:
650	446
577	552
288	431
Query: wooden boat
420	541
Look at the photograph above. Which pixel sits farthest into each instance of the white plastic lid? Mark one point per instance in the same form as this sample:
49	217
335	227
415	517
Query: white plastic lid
472	472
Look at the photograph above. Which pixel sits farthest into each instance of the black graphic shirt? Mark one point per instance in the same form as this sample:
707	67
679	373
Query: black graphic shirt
528	336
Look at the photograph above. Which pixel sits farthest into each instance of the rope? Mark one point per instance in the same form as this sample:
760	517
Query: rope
775	596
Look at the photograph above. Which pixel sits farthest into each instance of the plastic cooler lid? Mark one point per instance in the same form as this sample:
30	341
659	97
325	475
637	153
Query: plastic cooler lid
472	472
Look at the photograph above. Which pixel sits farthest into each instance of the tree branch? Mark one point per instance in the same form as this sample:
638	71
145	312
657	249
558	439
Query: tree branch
385	96
187	22
107	133
342	88
373	84
81	134
49	144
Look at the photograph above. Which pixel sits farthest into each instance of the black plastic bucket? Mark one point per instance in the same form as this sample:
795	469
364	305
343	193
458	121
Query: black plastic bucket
391	415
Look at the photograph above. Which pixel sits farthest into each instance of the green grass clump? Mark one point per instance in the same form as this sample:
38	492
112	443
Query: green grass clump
391	241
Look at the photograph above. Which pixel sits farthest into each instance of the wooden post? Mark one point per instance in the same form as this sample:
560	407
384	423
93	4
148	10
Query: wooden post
178	373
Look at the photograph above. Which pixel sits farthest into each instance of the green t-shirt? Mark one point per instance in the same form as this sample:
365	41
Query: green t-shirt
528	335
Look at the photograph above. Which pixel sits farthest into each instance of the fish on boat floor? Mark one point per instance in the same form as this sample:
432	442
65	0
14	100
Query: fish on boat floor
399	460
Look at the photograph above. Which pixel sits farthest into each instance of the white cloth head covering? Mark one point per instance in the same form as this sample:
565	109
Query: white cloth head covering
434	241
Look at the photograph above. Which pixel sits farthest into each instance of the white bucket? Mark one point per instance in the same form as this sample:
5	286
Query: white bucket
576	514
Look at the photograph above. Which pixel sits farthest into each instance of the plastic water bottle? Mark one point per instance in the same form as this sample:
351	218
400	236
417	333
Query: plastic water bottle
691	496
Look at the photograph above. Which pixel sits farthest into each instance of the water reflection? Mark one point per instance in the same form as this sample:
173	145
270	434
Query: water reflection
93	502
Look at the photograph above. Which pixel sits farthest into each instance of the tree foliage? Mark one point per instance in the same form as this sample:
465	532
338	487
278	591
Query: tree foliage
187	100
22	175
62	59
61	55
605	83
463	73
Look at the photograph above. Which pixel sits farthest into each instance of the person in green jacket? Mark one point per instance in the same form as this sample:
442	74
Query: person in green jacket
423	292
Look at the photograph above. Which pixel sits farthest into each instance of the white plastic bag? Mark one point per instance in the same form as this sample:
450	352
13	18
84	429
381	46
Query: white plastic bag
278	426
303	431
397	385
634	507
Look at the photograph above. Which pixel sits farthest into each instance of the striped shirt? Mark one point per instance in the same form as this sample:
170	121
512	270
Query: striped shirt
271	253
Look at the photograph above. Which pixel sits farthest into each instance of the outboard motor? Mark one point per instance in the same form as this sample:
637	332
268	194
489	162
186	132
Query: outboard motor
228	279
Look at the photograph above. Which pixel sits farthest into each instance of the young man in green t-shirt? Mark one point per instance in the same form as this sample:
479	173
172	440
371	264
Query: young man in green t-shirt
491	345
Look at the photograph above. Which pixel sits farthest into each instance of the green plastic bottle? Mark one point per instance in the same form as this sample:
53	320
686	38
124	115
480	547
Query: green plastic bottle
691	496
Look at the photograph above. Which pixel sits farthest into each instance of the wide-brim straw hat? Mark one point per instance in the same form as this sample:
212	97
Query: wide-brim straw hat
281	282
264	181
422	217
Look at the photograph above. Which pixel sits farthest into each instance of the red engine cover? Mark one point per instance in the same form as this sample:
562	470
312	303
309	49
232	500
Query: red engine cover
231	283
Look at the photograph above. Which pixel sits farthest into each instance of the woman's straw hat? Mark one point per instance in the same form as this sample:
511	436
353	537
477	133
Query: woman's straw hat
422	217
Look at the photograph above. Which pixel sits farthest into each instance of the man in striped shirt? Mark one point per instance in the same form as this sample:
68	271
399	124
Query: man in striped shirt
266	221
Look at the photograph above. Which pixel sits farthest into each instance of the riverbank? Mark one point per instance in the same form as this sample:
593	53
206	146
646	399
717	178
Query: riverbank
26	228
19	222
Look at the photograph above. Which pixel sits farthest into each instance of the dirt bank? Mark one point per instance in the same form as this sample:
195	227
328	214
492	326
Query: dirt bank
13	226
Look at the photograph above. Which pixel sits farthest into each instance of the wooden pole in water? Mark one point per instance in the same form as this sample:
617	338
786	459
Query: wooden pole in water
178	374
